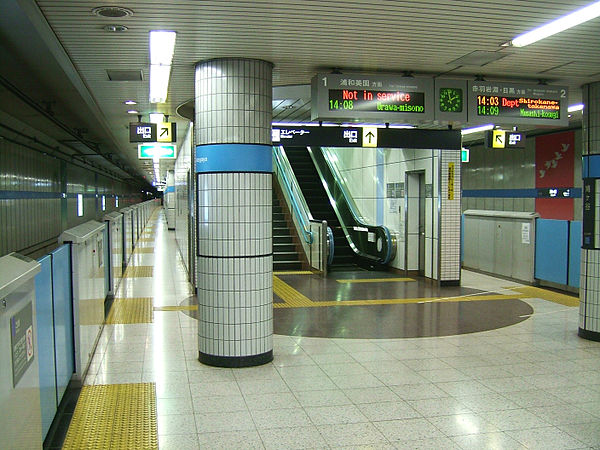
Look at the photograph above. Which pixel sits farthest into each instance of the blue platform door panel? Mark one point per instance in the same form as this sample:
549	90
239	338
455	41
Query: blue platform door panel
63	318
45	332
551	250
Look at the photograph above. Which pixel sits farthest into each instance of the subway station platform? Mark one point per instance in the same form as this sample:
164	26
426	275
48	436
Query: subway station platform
362	359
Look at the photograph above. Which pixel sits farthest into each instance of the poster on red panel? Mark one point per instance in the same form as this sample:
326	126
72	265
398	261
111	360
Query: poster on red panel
554	166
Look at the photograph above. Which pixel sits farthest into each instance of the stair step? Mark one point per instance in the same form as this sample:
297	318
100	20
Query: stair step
287	265
286	256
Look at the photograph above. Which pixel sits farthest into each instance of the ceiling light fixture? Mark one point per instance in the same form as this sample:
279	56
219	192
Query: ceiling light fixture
133	111
556	26
577	107
157	117
162	46
477	129
130	102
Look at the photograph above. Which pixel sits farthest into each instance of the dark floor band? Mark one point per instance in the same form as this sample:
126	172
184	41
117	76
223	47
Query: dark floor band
589	335
235	361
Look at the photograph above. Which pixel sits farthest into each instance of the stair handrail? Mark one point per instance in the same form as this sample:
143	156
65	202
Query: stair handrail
390	252
292	191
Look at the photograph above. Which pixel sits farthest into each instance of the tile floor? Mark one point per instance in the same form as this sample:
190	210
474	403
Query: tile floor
534	385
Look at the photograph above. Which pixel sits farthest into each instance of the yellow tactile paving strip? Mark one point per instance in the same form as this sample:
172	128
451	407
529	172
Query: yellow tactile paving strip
144	250
177	308
130	310
139	272
377	280
545	294
294	299
293	272
146	240
114	416
291	297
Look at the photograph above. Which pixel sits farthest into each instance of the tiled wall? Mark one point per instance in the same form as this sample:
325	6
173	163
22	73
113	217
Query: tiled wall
509	169
183	177
38	196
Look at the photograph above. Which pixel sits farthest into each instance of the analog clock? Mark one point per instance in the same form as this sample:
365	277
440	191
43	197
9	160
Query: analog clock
451	100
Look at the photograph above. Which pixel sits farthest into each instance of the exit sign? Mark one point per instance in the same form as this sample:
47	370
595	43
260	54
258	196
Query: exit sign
160	151
464	155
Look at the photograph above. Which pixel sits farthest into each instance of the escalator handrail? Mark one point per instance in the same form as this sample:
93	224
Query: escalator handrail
302	213
356	216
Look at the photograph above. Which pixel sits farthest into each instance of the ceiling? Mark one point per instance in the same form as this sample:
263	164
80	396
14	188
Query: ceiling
60	53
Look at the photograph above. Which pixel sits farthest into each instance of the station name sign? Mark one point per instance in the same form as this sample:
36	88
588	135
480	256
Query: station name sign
393	99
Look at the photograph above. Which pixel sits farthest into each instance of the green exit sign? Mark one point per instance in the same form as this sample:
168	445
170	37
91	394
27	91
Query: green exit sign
160	151
464	155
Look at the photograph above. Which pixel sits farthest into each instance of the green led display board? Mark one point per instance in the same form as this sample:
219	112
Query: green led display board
517	104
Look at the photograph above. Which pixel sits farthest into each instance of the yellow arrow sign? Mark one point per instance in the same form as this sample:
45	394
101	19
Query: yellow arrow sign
498	139
164	132
369	138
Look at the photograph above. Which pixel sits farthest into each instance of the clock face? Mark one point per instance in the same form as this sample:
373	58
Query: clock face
451	100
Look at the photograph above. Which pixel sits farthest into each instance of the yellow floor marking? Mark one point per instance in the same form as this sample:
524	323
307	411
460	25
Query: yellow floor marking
376	280
146	240
293	272
138	272
294	299
144	250
545	294
177	308
130	310
291	297
115	416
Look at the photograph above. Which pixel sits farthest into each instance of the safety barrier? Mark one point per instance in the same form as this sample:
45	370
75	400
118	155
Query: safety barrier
56	322
558	251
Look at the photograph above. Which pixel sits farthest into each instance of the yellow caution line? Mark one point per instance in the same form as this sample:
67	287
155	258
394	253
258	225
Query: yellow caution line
545	294
376	280
293	272
291	297
177	308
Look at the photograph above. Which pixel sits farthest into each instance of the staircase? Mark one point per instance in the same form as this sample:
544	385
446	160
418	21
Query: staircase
320	207
285	256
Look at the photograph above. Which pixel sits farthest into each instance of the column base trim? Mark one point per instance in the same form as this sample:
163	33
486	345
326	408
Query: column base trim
589	335
235	361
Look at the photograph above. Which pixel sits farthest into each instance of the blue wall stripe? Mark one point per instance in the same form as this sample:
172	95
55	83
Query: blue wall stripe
234	158
510	193
20	195
590	166
169	189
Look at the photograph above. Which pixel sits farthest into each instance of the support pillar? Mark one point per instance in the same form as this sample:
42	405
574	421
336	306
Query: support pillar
234	201
589	288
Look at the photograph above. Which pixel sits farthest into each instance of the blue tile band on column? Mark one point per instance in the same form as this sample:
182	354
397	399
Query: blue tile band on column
234	158
590	167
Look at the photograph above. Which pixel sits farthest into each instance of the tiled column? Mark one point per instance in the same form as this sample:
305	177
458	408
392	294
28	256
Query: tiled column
449	217
234	174
589	287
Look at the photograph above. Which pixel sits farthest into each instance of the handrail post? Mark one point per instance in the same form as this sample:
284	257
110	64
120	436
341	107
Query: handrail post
324	239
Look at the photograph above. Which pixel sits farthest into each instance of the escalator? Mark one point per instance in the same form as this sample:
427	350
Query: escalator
327	196
319	205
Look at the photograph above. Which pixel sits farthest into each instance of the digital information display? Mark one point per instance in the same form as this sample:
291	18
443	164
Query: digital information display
501	103
356	97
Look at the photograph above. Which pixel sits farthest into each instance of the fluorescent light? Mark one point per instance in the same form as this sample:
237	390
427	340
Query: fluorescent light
159	83
130	102
133	111
162	46
477	129
156	117
556	26
577	107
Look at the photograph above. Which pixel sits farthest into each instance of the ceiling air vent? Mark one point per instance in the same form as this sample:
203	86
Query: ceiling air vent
112	11
124	75
478	58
